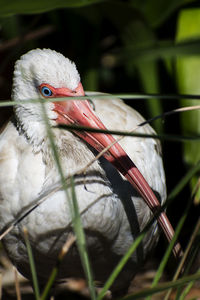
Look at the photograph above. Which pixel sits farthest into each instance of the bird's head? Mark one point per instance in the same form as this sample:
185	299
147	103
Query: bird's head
44	73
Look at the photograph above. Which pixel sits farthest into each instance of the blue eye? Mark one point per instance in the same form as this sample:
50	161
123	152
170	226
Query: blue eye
46	92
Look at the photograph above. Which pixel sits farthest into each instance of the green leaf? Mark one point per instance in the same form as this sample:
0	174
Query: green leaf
188	79
133	35
12	7
150	81
161	49
156	12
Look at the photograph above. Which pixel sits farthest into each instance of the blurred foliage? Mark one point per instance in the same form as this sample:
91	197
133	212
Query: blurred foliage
127	46
32	7
188	76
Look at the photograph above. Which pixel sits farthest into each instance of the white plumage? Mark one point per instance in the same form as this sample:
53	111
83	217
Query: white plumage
28	170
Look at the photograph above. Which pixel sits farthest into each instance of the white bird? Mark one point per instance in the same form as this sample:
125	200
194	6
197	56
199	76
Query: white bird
28	170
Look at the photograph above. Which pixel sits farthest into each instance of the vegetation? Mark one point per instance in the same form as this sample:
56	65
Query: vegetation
149	52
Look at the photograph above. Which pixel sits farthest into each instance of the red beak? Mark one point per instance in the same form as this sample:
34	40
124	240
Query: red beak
79	112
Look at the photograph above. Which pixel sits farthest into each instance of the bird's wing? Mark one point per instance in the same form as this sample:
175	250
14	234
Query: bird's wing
145	152
21	175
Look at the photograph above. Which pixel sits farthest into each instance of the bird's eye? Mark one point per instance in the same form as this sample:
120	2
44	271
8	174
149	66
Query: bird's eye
46	92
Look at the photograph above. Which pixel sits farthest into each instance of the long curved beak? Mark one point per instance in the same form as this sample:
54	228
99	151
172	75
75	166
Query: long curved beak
79	112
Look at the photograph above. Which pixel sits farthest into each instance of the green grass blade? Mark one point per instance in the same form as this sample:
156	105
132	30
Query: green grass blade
32	265
187	254
120	266
162	287
183	182
185	291
130	96
168	137
54	272
76	219
49	283
81	241
169	250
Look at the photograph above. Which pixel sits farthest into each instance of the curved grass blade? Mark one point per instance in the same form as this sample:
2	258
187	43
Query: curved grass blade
71	239
32	265
125	258
120	265
169	249
76	219
168	137
55	188
185	291
81	241
132	96
182	183
186	253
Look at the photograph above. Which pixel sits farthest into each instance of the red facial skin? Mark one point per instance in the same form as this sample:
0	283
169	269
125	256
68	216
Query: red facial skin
80	112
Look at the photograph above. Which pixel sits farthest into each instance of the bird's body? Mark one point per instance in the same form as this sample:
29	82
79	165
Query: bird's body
28	170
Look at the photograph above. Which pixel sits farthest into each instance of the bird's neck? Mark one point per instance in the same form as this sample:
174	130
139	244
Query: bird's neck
74	153
33	132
